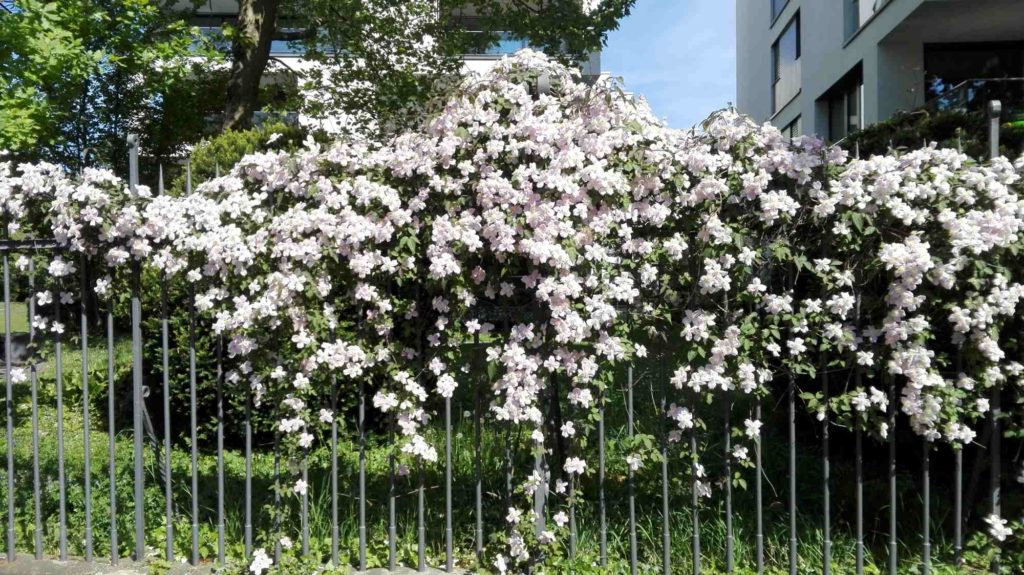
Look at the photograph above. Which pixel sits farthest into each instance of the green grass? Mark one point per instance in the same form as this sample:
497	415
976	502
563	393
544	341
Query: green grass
491	462
19	317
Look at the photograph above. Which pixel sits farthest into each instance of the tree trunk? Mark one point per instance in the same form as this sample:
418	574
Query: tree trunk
257	22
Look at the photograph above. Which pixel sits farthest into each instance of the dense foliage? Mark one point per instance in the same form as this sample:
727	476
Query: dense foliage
377	62
77	75
965	130
757	259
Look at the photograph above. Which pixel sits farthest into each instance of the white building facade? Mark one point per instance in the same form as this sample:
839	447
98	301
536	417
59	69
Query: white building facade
829	67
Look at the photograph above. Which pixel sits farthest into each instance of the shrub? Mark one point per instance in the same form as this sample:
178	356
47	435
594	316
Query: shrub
910	130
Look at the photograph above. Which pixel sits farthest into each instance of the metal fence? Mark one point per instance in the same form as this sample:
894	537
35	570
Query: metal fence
596	496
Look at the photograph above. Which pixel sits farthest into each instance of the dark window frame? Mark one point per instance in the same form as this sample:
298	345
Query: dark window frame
776	71
790	129
849	89
851	18
777	7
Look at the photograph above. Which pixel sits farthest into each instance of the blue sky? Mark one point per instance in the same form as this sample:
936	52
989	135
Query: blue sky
679	54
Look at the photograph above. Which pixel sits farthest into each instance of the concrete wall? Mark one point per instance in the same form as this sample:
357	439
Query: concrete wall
892	72
754	57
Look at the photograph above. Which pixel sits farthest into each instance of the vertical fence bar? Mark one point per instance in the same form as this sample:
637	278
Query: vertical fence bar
926	551
10	405
220	450
958	463
508	443
392	525
61	475
477	432
194	469
304	509
858	459
448	559
421	528
695	502
727	408
278	511
995	108
137	392
892	477
137	407
540	494
727	444
335	560
826	479
36	484
958	476
996	467
791	399
362	476
572	508
666	535
632	487
193	424
87	463
602	506
562	456
958	511
115	551
508	467
165	353
759	509
247	534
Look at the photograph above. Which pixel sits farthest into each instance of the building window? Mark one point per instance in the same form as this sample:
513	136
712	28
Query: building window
786	65
856	13
504	43
845	103
777	7
793	129
851	17
211	27
482	42
844	113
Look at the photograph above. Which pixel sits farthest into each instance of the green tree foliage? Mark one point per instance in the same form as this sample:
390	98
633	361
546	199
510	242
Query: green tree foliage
382	59
77	75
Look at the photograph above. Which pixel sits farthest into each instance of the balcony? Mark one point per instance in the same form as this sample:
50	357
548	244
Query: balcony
973	95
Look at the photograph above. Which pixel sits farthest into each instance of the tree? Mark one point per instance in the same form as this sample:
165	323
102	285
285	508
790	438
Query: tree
381	58
77	75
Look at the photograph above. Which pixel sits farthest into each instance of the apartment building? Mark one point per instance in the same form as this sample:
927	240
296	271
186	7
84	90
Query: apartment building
829	67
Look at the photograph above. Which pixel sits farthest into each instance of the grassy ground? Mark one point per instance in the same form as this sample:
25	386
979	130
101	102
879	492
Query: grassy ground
647	489
19	317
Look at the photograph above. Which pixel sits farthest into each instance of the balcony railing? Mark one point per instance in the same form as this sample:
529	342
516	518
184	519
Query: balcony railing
972	96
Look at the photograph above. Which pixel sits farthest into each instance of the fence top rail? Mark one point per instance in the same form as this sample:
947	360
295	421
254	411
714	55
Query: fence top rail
34	244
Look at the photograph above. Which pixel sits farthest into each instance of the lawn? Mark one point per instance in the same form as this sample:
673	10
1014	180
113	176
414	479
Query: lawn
19	317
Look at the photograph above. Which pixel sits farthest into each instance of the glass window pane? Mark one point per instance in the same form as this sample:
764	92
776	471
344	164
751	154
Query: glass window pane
851	16
777	7
786	64
853	109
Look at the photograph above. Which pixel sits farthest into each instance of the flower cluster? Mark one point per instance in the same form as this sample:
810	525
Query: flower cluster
568	232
